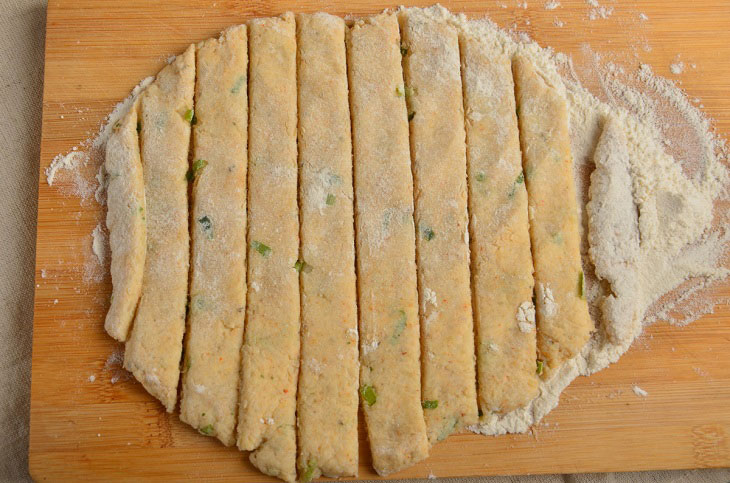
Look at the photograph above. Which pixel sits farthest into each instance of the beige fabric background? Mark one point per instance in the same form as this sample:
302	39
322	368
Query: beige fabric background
22	31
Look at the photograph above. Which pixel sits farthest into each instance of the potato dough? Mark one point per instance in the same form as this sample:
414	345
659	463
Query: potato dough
500	238
390	375
154	348
270	353
434	98
211	369
563	323
125	219
328	380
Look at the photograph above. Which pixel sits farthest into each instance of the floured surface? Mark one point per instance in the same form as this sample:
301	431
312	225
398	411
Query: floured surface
676	425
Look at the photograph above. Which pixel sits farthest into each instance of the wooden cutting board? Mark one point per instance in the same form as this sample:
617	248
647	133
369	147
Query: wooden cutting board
85	426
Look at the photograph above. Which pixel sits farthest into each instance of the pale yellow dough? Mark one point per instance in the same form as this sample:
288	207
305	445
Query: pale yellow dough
500	238
388	297
125	220
563	323
328	379
434	98
270	353
211	368
154	347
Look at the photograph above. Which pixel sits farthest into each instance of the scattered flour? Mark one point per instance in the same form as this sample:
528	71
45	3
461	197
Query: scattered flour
659	201
551	5
639	391
98	243
677	68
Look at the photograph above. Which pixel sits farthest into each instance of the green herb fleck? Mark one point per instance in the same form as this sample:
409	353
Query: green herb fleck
540	367
430	404
264	250
400	324
368	394
207	226
399	91
194	120
480	413
238	84
581	285
427	233
188	365
330	199
195	170
302	266
117	125
309	472
189	114
481	176
403	50
208	430
520	178
139	126
411	115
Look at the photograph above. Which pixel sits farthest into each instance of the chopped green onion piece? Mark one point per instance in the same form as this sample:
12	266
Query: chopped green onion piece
302	266
239	83
581	285
403	50
400	324
411	115
117	125
309	472
189	114
197	166
399	91
207	226
368	394
188	363
330	199
409	91
430	404
264	250
194	120
520	178
139	126
208	430
481	176
540	367
428	233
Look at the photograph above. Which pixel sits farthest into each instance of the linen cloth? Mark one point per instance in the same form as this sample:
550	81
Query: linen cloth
22	33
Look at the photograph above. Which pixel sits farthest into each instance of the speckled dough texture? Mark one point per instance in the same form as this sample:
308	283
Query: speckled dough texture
126	221
500	240
155	345
212	363
563	323
434	98
328	379
270	353
385	244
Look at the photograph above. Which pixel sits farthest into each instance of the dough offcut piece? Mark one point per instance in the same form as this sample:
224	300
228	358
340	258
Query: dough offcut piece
390	376
563	322
154	348
125	219
328	380
435	103
270	353
500	237
211	369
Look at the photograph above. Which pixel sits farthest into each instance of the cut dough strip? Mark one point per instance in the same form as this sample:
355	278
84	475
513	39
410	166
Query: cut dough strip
434	97
270	353
390	376
126	220
563	323
154	348
500	238
328	380
211	368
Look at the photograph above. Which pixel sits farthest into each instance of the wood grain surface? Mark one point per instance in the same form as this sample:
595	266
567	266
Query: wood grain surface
97	51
